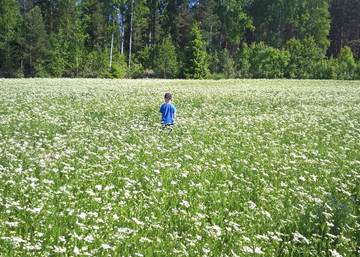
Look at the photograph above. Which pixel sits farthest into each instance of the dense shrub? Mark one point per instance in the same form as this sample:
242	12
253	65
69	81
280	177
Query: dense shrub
137	70
145	56
95	64
227	64
301	59
304	56
267	62
357	71
118	68
196	57
325	69
214	62
346	64
243	64
166	64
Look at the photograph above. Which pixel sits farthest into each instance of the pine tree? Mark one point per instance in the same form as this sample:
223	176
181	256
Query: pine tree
196	66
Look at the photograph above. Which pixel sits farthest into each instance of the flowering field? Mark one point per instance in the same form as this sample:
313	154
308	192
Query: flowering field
251	168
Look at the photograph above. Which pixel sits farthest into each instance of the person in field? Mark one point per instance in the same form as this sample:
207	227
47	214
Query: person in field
168	111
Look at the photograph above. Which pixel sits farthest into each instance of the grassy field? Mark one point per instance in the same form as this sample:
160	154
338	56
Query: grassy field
252	167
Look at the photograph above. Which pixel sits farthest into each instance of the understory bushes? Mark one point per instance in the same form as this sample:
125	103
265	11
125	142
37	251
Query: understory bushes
299	59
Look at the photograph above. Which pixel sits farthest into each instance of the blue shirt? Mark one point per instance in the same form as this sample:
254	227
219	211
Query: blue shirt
167	110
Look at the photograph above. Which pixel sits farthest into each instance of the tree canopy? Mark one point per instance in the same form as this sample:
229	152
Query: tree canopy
179	38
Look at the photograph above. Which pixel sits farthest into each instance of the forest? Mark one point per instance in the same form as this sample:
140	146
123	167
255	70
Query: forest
194	39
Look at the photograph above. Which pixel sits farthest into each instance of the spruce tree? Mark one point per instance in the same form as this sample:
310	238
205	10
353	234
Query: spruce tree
166	64
36	44
196	63
10	20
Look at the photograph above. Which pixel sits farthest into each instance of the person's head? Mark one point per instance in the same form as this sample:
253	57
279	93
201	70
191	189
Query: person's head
167	97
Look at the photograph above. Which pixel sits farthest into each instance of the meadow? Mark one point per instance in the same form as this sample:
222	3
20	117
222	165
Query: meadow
251	168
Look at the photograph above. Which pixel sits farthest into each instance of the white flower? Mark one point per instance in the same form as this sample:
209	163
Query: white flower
251	205
13	224
59	249
185	203
138	222
300	238
89	238
215	230
76	251
206	250
145	240
256	250
334	253
105	246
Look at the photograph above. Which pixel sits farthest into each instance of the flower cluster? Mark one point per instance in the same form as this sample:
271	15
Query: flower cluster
252	167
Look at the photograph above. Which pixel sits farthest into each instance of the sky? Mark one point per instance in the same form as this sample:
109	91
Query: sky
193	2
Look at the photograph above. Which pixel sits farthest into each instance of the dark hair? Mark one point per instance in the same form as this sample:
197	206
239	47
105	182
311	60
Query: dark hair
168	96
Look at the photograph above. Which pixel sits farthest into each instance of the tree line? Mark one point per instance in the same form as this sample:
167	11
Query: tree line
198	39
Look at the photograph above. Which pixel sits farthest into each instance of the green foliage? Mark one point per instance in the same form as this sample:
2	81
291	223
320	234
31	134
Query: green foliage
214	62
357	71
95	18
227	64
58	38
144	56
140	24
252	168
196	65
262	61
315	22
304	56
118	69
166	64
56	57
68	52
119	66
234	20
243	64
345	29
96	64
268	62
35	44
10	20
347	64
278	21
206	12
326	69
